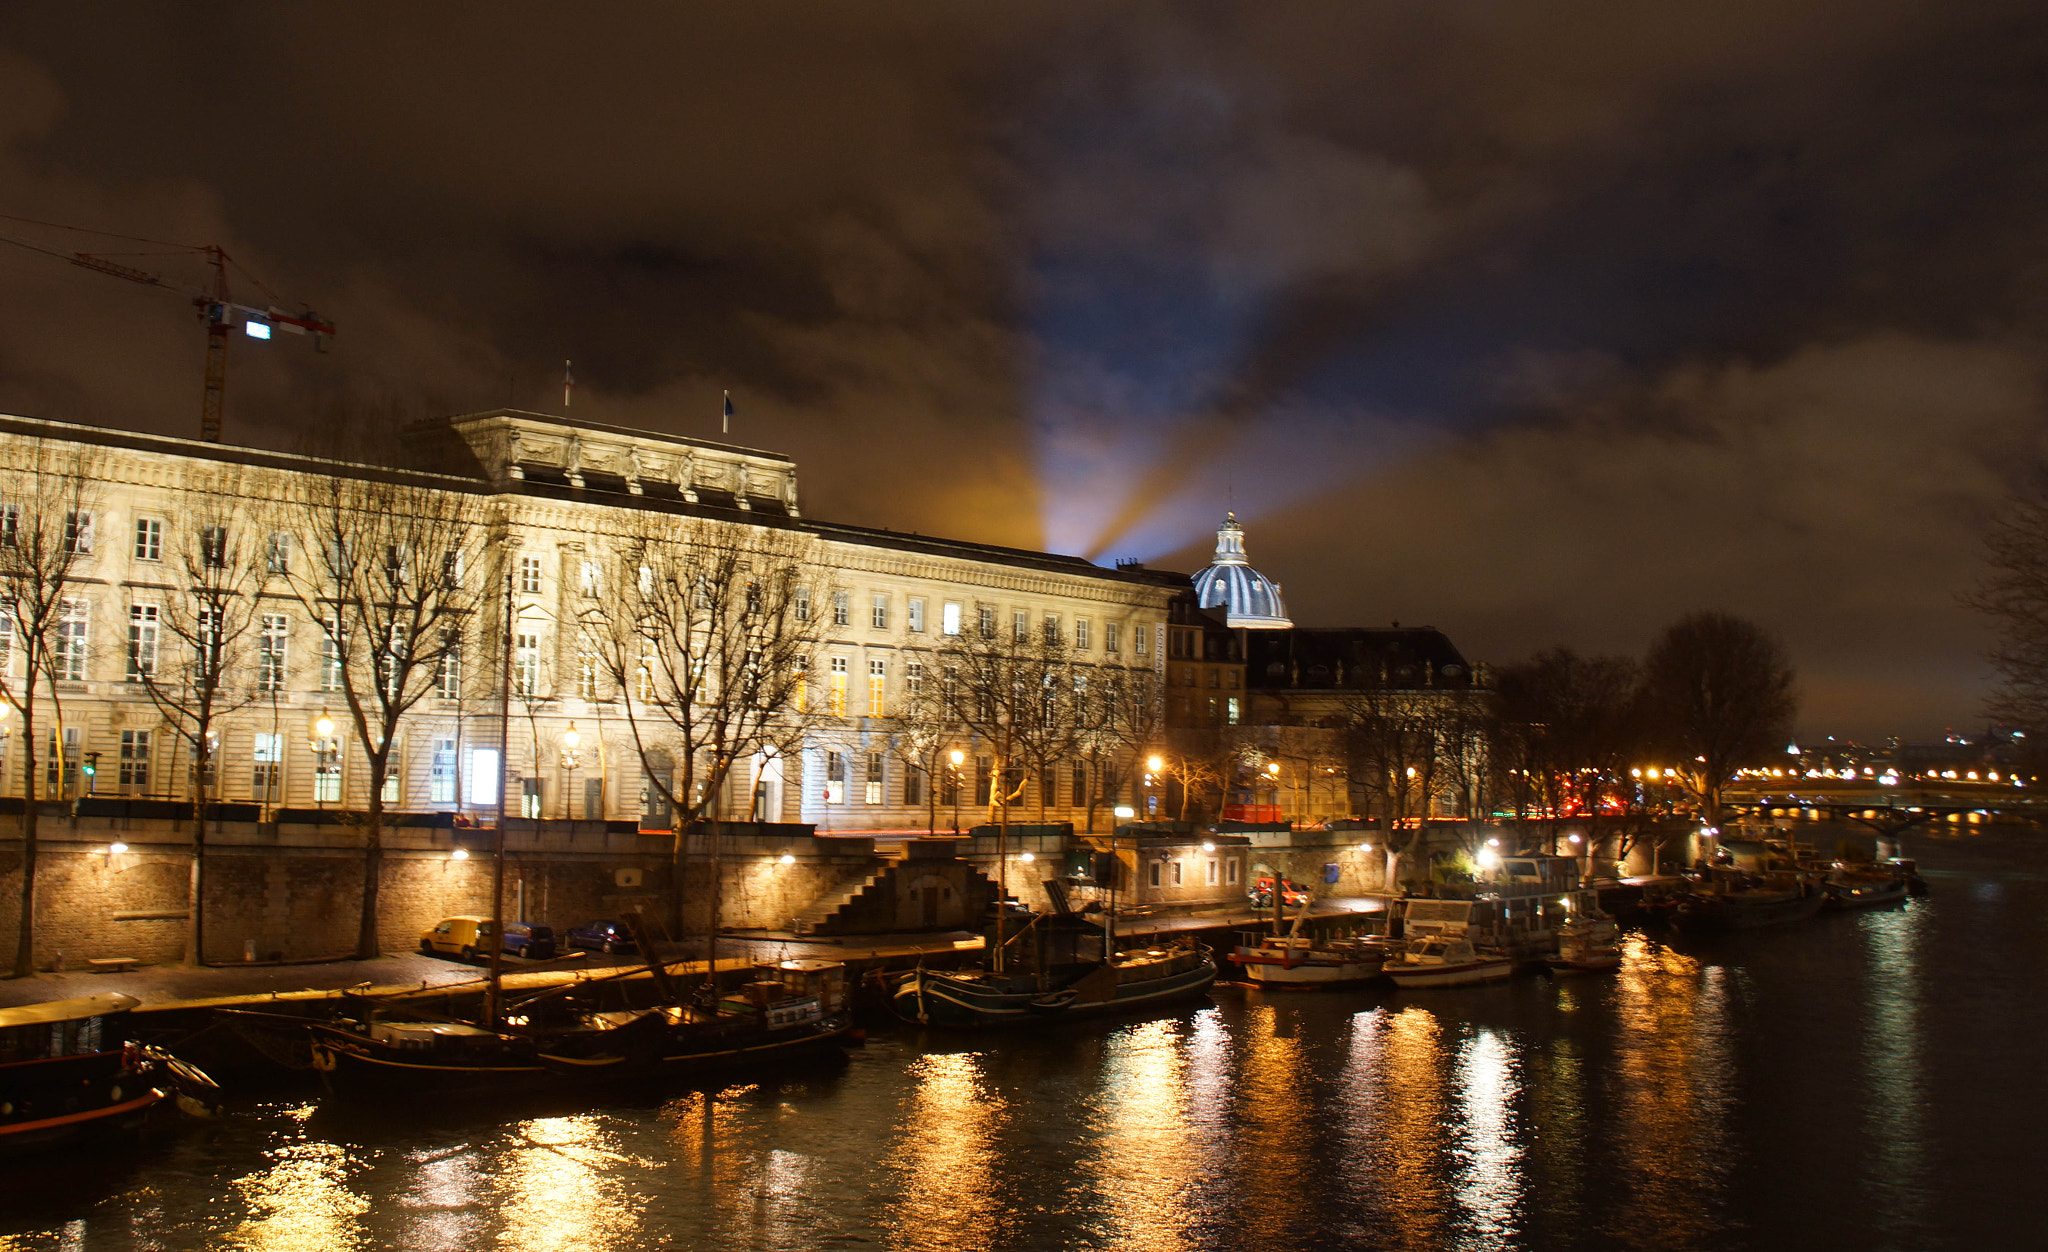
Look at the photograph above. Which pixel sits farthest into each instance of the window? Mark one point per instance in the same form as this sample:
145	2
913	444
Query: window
1080	793
277	554
142	630
949	618
913	785
914	616
1176	873
586	675
330	655
1081	633
1141	641
441	773
1155	873
913	676
1231	866
949	790
878	683
61	772
391	663
6	648
448	678
842	608
1230	710
394	778
134	760
264	779
981	780
878	610
529	575
1051	626
643	679
149	539
10	524
1110	639
835	699
835	778
874	779
586	579
1211	878
327	772
803	604
526	665
213	547
1020	626
78	532
1215	678
988	622
485	774
73	623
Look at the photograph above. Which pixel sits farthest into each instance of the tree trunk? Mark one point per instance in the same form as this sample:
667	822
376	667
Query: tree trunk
373	864
195	918
25	940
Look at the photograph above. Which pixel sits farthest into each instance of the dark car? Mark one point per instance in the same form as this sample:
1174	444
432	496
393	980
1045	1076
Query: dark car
603	936
535	943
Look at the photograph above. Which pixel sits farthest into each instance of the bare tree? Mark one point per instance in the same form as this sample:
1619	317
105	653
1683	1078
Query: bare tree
1398	751
923	734
1572	726
1122	721
2014	595
48	498
707	632
390	580
1719	694
191	651
1015	696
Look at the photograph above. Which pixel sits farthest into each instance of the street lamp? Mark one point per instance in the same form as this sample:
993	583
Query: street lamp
571	759
1153	765
958	758
323	748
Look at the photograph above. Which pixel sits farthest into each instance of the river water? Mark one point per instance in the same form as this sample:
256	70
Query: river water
1868	1080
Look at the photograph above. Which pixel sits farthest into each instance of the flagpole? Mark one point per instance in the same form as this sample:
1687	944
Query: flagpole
725	419
568	382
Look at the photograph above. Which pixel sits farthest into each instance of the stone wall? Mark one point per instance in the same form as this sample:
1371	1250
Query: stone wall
295	892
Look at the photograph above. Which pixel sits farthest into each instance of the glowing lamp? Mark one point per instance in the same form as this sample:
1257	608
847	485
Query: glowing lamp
1274	769
570	738
460	854
1365	847
788	859
117	847
957	755
1488	858
1027	858
1493	843
1207	846
1154	764
1573	838
324	727
1125	810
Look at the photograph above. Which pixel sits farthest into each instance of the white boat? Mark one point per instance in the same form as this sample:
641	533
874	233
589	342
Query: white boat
1586	945
1300	961
1446	962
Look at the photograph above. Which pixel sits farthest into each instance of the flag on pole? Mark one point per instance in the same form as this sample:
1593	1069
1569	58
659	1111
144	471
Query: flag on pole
568	383
725	423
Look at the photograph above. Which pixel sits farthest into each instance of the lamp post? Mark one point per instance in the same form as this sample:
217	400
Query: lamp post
958	758
571	760
1273	775
1153	765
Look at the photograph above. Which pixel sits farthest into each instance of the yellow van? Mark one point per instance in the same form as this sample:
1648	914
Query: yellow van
464	937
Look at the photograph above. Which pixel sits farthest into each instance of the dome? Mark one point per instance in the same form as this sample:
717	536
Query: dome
1247	597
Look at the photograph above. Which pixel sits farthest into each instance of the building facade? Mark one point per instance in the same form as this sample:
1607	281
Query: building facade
550	492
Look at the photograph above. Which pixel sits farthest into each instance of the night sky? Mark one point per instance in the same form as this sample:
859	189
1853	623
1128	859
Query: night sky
1541	323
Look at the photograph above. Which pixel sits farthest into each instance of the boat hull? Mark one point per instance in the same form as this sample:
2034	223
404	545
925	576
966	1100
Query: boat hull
1714	913
1460	974
972	1001
1852	896
1308	968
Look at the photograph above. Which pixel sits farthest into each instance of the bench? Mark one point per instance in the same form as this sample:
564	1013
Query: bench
111	964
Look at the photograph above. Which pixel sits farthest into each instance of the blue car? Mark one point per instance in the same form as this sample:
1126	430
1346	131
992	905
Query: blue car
603	936
535	943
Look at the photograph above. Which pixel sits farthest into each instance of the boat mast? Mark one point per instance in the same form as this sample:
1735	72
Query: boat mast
494	990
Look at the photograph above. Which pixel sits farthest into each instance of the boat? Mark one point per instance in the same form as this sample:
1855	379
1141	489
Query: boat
562	1038
1860	887
70	1071
1131	981
1305	962
1586	945
1444	961
1731	899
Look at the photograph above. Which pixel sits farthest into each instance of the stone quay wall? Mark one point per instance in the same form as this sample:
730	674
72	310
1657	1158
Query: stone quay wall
286	891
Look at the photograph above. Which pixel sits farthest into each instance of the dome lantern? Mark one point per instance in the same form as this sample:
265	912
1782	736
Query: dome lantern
1247	597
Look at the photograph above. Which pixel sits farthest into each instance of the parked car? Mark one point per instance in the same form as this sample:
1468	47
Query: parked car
535	943
603	936
458	936
1292	894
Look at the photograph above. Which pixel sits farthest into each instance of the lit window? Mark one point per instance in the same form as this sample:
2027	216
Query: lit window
835	699
949	618
327	771
484	772
1231	711
914	615
878	680
874	779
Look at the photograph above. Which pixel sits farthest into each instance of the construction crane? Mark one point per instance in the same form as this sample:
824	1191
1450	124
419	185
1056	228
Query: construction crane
216	307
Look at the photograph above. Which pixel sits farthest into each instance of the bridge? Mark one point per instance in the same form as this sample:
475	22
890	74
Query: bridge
1887	808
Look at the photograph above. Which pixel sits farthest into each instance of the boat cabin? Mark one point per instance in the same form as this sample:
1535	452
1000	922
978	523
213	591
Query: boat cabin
82	1026
790	993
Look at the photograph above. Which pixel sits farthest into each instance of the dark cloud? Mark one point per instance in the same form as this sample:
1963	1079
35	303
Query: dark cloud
1545	322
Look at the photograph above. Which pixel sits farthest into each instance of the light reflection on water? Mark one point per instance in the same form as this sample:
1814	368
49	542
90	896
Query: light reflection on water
1702	1097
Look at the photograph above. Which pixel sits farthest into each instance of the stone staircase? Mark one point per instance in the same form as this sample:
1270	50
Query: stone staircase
859	905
